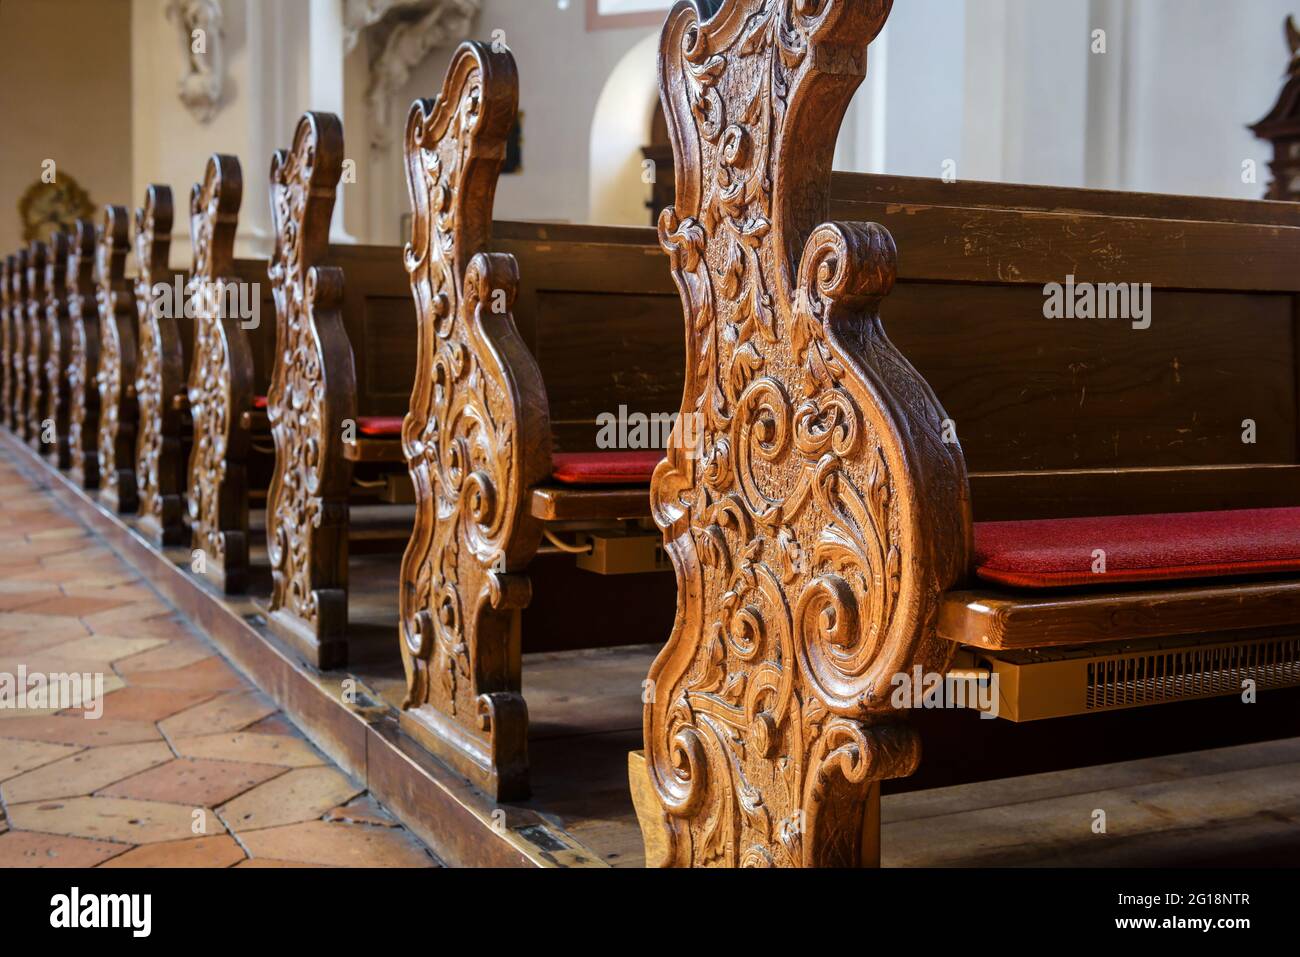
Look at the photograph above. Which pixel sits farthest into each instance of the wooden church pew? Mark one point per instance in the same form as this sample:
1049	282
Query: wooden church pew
164	341
58	348
342	380
37	345
83	357
18	329
831	538
231	455
115	378
526	333
7	333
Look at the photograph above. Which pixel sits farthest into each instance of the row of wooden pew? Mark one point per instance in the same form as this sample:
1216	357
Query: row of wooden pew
818	500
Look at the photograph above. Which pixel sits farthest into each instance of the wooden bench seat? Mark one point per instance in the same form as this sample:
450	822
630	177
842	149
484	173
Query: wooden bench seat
18	388
164	341
58	343
38	346
83	360
7	342
341	380
231	458
530	334
115	379
854	491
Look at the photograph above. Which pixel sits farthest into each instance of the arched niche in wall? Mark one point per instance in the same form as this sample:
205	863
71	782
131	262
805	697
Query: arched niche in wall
620	129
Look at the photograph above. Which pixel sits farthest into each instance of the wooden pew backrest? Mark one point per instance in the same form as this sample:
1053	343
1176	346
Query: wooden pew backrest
1192	407
37	343
57	347
83	363
163	343
598	311
813	535
115	380
18	329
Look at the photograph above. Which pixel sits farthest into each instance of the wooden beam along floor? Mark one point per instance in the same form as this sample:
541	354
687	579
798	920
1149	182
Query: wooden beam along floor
1241	802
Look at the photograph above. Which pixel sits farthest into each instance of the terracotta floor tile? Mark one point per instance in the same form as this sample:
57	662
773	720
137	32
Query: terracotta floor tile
228	712
362	810
110	819
277	749
340	845
69	730
211	674
150	704
273	724
304	794
15	600
58	629
217	851
175	654
18	757
84	772
66	606
47	701
23	849
106	648
267	862
200	782
151	618
18	643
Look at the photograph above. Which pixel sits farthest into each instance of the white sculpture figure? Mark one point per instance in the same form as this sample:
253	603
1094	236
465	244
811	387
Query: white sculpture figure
199	25
401	33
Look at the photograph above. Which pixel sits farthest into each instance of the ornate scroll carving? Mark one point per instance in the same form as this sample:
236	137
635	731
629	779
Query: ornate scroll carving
57	346
83	358
6	331
115	378
37	344
221	383
18	329
160	379
198	24
476	439
313	390
823	517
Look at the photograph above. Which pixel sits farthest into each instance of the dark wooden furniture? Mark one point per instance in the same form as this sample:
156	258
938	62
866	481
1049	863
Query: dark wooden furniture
526	334
825	540
231	455
38	351
83	358
115	378
58	335
7	343
16	291
341	382
164	341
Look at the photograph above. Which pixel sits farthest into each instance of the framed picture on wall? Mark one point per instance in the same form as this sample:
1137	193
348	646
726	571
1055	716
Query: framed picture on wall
608	14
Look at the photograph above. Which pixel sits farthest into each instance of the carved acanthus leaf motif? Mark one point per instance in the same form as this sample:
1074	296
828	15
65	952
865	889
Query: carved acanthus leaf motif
83	430
160	371
813	536
313	384
475	388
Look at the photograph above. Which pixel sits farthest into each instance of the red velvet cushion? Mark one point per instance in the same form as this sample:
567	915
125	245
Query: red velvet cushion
380	425
1051	553
259	402
604	468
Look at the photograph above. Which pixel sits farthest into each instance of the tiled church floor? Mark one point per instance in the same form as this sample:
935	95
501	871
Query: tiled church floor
188	765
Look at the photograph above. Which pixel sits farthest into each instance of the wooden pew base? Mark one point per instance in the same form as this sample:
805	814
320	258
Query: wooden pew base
324	644
501	768
171	529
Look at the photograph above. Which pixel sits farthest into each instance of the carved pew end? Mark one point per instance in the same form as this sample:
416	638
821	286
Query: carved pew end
501	771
